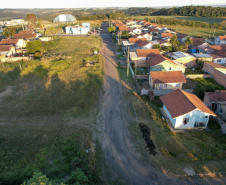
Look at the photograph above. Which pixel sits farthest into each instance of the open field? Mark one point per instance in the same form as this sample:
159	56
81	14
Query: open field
48	111
205	151
187	18
197	32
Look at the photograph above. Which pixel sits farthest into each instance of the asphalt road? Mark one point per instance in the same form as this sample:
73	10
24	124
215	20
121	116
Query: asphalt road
117	146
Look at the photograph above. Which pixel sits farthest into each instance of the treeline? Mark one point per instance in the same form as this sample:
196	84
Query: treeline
92	17
197	11
139	11
170	21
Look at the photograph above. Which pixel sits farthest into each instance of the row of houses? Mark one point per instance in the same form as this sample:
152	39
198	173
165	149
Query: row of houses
165	70
17	44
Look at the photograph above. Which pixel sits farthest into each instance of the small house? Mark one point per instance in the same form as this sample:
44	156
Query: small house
220	40
166	79
7	50
185	110
217	102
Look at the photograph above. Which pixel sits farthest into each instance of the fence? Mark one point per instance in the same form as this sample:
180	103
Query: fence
14	59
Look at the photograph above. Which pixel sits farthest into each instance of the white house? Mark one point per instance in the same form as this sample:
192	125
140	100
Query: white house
220	40
145	45
137	31
185	110
18	43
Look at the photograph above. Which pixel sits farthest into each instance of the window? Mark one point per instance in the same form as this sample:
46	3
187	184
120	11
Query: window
169	68
165	85
218	60
185	121
177	85
221	110
206	116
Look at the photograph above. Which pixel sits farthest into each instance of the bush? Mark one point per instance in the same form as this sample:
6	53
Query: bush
37	55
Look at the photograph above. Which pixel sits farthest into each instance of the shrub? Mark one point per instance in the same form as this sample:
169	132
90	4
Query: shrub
37	55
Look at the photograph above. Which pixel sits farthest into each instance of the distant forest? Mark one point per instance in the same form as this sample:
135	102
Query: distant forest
196	11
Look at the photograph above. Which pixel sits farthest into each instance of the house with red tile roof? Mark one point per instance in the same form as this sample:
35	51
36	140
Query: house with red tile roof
219	54
7	50
136	40
145	54
167	35
26	31
185	110
161	63
220	40
166	79
27	36
18	43
145	44
217	102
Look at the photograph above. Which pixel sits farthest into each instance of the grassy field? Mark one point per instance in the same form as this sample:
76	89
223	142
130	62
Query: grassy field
187	18
48	111
197	32
202	150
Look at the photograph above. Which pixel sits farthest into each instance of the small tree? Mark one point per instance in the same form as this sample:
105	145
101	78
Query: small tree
34	46
157	46
174	41
111	29
187	43
9	31
31	20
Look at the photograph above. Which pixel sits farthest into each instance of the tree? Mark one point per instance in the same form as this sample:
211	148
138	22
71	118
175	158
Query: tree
111	29
174	41
31	20
157	46
39	178
34	46
9	31
52	31
187	43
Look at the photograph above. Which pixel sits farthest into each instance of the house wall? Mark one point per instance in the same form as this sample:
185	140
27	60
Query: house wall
21	43
208	69
189	62
219	60
148	46
217	41
164	66
169	86
219	77
206	101
194	116
173	121
222	113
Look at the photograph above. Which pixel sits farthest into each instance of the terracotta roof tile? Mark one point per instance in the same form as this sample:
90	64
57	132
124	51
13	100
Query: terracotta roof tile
5	47
197	41
143	43
216	96
147	52
222	37
136	40
167	35
9	41
180	102
25	35
167	77
26	31
155	60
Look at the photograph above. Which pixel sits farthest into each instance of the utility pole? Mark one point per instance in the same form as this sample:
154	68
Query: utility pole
214	32
128	62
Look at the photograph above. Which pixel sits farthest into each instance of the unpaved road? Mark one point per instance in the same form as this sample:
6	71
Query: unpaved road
118	149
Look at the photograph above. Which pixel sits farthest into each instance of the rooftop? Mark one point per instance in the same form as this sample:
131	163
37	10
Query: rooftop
167	77
179	103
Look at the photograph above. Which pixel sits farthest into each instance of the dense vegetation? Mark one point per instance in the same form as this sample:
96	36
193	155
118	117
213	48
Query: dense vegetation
46	115
198	11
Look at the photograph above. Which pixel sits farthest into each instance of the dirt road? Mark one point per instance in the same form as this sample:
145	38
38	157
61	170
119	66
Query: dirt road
119	151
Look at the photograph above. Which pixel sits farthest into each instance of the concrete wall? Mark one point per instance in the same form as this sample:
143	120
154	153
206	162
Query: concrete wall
220	77
208	69
14	59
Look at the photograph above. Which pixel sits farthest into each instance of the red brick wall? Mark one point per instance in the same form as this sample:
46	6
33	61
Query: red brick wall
219	77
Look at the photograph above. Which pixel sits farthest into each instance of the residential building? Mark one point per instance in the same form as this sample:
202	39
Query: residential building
18	43
185	110
220	40
166	79
217	102
7	50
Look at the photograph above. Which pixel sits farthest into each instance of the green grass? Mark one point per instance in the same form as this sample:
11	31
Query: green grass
205	151
195	71
187	18
47	118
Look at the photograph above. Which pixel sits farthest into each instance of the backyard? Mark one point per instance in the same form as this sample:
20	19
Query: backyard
204	151
48	109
